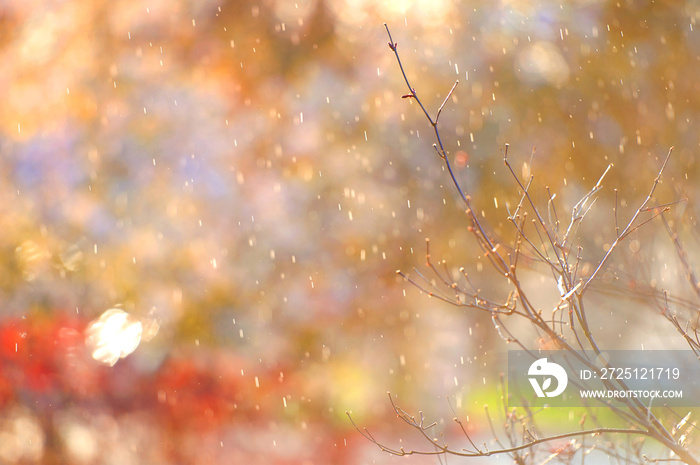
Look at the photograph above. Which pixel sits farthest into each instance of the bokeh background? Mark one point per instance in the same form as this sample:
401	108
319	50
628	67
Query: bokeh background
203	205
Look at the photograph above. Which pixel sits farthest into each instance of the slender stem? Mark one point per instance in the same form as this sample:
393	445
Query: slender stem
629	225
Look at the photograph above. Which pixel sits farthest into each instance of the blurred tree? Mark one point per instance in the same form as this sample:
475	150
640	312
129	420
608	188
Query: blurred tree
240	174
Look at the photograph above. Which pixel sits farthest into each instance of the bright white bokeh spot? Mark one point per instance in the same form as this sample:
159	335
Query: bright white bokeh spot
114	335
22	438
80	440
543	63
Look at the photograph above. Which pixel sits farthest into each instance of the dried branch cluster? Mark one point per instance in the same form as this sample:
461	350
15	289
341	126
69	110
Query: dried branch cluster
540	235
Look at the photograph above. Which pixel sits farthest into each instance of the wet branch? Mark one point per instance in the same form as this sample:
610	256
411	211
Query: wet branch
542	239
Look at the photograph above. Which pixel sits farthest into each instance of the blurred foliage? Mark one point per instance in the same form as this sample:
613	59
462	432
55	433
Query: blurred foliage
246	176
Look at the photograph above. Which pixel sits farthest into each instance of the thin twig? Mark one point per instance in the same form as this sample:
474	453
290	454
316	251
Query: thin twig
629	225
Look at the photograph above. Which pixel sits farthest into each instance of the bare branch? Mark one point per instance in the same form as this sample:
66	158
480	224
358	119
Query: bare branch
630	224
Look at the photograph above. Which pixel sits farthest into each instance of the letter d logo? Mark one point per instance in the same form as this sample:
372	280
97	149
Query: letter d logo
549	370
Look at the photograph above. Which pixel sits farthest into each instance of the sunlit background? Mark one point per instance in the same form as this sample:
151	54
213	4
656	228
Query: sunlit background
203	205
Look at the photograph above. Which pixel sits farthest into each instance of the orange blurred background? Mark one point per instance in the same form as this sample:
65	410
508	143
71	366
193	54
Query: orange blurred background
203	205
